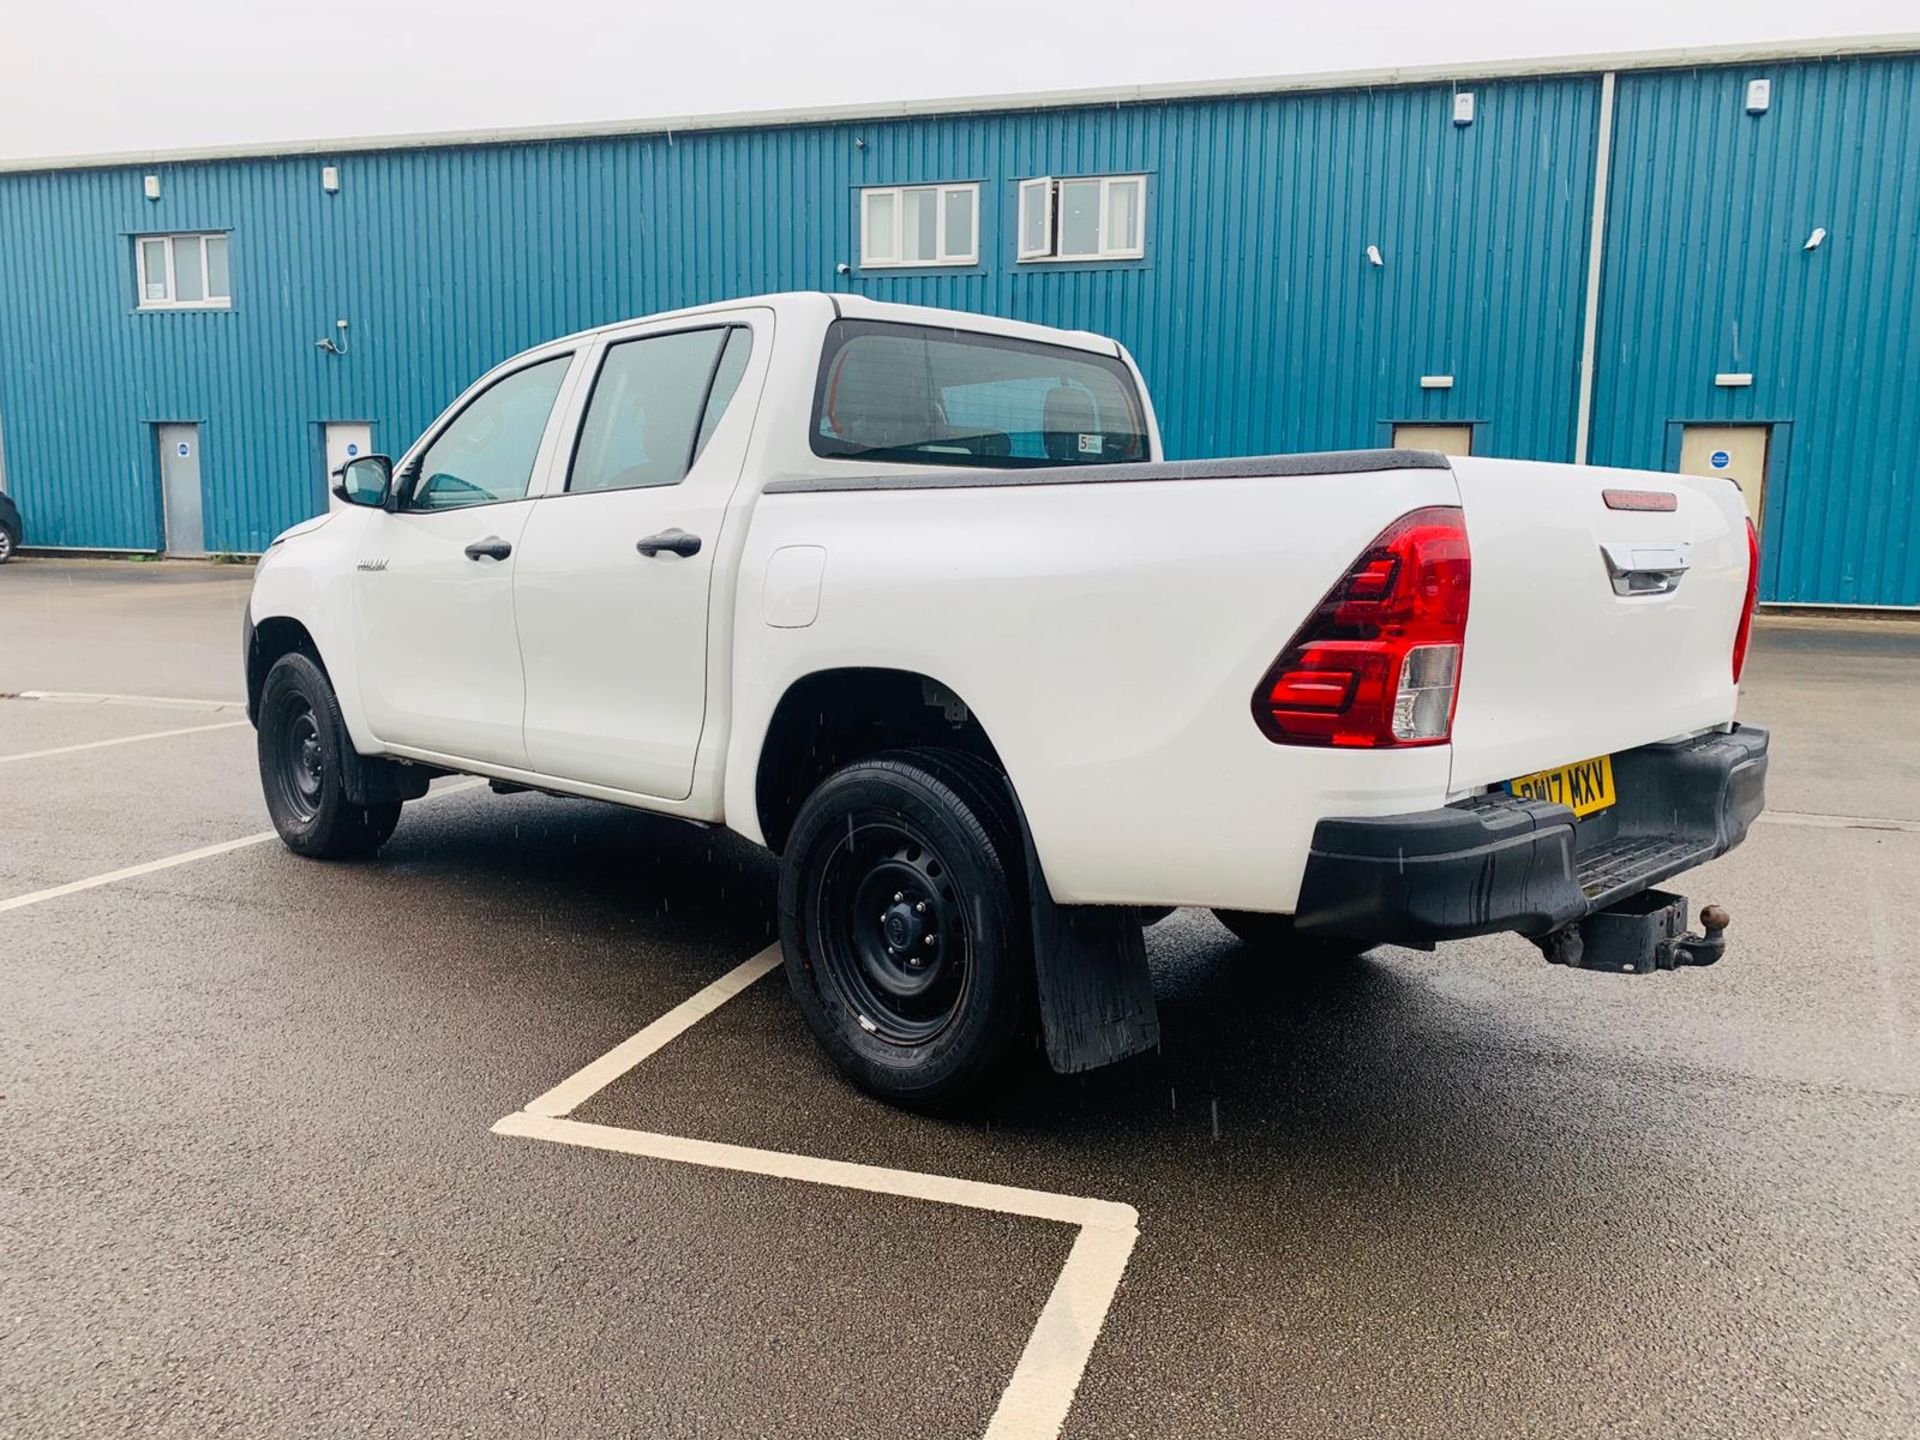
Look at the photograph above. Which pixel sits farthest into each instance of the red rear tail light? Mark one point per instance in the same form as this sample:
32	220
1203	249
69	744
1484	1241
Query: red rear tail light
1746	609
1378	662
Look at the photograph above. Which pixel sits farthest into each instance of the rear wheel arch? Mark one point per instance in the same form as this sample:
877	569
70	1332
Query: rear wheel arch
904	923
831	718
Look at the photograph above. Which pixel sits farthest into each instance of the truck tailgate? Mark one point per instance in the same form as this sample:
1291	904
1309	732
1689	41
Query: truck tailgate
1558	667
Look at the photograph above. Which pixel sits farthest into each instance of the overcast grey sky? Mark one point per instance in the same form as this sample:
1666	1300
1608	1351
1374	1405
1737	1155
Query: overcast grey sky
87	76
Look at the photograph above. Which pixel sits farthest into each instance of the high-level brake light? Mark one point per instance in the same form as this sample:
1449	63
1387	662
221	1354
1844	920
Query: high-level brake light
1378	661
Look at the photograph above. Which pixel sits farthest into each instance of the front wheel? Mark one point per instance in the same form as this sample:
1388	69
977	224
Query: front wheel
301	743
1274	935
905	932
8	540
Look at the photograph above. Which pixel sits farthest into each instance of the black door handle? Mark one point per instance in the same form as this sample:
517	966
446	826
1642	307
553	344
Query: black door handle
678	541
491	548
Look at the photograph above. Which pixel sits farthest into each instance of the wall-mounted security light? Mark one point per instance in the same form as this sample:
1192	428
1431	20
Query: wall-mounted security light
1813	241
843	268
858	143
1436	382
1759	96
328	344
330	179
1373	255
1463	107
150	187
1733	379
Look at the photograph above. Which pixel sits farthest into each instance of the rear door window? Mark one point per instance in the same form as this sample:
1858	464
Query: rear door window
654	404
951	397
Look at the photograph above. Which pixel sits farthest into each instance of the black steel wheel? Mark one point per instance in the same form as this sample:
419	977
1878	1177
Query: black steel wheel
299	765
301	745
903	924
892	933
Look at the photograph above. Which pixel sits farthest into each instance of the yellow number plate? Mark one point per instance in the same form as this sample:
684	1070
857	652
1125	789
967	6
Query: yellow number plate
1582	788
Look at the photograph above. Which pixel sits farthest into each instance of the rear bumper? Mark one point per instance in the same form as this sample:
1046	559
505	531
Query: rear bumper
1497	862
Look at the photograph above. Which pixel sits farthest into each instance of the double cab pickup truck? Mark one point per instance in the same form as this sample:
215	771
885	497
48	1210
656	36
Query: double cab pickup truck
912	598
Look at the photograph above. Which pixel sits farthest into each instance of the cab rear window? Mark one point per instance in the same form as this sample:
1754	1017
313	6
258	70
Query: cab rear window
928	396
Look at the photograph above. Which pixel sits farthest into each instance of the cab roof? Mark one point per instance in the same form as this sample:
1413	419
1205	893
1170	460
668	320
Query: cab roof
820	306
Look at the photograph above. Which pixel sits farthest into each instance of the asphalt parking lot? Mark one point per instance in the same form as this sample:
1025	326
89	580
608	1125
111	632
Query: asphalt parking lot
250	1182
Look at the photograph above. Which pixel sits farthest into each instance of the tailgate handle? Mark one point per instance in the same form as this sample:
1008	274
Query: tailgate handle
1641	569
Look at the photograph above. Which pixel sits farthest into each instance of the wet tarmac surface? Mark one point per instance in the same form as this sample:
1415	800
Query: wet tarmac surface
248	1183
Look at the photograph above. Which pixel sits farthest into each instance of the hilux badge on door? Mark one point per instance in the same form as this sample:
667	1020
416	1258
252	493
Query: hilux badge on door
371	565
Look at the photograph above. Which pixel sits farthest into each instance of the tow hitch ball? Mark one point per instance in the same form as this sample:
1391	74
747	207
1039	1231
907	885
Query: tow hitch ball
1641	934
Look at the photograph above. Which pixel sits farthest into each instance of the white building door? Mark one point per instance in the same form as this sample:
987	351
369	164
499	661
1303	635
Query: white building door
346	440
1447	439
1738	452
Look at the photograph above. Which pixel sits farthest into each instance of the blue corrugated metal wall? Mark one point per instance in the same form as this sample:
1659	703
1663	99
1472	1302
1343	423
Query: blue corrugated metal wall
1710	209
1256	315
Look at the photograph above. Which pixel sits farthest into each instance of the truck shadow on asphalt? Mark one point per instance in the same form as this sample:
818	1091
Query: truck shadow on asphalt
1365	1069
1442	1144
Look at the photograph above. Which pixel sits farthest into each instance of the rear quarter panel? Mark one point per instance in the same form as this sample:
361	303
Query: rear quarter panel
1109	637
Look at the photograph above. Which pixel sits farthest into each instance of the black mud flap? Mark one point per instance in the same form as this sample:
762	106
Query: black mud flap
371	780
1096	995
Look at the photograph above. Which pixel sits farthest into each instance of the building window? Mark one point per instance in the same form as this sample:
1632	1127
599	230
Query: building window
183	272
1090	217
920	225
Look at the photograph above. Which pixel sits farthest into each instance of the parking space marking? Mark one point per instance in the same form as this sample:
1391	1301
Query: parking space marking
186	857
845	1174
1840	822
122	740
88	697
1035	1402
581	1086
130	872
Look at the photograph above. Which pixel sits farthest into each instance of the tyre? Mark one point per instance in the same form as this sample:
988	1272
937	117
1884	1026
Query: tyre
8	541
904	922
301	740
1275	935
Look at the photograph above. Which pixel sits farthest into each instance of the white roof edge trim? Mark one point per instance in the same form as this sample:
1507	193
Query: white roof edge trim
1685	57
825	303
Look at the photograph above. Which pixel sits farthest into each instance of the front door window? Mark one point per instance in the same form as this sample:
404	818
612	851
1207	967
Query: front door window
486	454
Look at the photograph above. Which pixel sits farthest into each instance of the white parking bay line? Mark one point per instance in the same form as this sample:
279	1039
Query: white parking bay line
574	1091
130	872
783	1165
1817	821
121	740
185	857
1035	1402
91	697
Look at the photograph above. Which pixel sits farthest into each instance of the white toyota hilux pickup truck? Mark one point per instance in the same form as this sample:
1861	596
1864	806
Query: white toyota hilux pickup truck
911	597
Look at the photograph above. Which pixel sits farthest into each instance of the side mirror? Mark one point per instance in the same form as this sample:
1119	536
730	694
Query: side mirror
364	481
